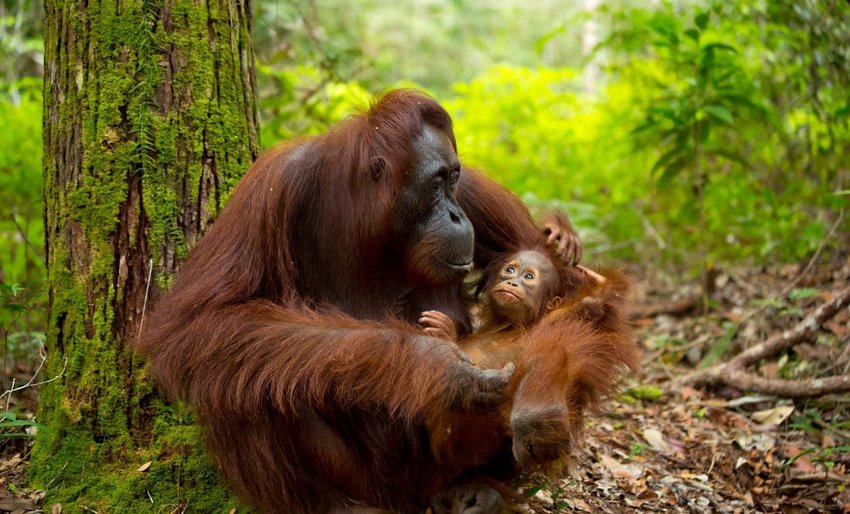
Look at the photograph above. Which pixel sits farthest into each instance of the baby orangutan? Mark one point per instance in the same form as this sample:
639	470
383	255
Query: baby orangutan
556	325
519	296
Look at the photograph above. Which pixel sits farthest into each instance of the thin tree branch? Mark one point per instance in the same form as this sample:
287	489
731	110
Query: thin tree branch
814	258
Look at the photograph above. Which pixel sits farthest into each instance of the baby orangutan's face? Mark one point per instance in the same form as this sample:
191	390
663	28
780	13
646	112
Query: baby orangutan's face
526	284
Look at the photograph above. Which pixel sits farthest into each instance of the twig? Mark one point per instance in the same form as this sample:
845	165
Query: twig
145	302
56	476
30	383
676	308
753	290
23	235
650	228
9	400
814	258
820	477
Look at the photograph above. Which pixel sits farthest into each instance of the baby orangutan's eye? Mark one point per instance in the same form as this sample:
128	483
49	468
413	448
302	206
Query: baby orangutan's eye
529	276
510	269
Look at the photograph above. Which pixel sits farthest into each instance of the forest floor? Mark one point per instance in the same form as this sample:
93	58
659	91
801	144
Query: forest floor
667	447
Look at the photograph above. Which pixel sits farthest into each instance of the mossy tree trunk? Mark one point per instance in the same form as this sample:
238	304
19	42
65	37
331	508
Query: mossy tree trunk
150	119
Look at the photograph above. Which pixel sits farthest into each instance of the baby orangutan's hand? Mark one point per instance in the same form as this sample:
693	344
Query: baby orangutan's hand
438	325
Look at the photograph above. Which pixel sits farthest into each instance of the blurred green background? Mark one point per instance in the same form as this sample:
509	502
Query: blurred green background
678	135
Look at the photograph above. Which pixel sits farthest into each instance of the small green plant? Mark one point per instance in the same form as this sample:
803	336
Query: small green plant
637	449
13	428
694	116
19	311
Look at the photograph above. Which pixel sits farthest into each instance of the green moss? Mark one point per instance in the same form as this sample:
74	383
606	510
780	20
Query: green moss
179	473
129	104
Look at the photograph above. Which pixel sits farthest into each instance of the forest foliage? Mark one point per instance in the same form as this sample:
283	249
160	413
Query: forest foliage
684	133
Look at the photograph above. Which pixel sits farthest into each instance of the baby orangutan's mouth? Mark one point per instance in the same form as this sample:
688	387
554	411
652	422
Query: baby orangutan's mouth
508	295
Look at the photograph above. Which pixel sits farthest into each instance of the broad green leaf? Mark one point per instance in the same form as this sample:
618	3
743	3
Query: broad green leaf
719	113
531	491
666	158
645	392
701	20
673	169
18	423
646	125
719	347
719	46
729	155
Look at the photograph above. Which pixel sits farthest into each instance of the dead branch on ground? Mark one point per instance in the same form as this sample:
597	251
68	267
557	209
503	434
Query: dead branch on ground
734	372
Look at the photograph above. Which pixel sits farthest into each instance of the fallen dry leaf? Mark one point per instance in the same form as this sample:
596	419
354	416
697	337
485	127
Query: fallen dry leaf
760	442
11	462
621	471
656	440
773	416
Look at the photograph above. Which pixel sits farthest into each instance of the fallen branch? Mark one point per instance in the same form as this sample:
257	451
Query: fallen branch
676	308
734	372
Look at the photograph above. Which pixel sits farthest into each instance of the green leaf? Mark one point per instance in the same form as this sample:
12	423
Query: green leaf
739	100
802	293
693	34
540	44
673	169
531	491
732	156
719	113
12	288
793	459
665	159
18	423
16	435
719	46
646	125
645	392
701	20
719	347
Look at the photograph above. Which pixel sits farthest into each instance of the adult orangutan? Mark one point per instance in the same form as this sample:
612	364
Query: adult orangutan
289	326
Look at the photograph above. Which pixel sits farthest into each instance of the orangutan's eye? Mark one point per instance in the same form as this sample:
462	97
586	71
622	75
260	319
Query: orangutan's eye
529	276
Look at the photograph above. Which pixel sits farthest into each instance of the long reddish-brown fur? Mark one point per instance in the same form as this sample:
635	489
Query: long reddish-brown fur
310	398
287	327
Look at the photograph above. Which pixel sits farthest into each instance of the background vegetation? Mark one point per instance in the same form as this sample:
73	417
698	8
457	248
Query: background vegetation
680	135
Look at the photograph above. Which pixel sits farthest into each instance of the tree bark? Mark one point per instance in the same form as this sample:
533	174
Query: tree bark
149	121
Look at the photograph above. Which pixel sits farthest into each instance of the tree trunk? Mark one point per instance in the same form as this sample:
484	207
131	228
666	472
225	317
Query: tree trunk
149	121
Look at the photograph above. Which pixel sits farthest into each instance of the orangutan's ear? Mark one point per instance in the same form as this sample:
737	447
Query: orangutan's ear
377	167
